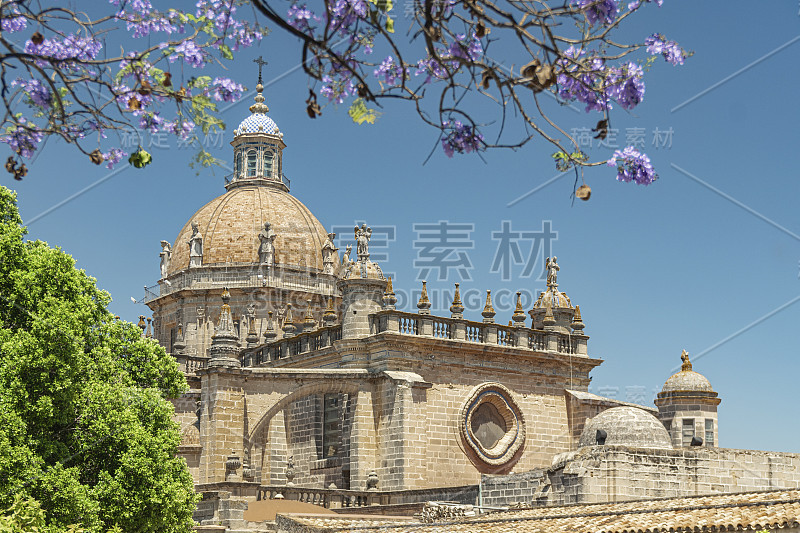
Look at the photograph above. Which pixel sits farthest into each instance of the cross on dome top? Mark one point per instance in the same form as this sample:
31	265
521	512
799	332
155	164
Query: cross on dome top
259	106
260	61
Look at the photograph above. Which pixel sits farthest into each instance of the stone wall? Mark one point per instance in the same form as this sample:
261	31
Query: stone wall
502	491
402	403
618	473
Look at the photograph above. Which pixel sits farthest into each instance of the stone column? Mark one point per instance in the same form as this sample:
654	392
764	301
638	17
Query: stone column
405	440
363	441
221	421
276	451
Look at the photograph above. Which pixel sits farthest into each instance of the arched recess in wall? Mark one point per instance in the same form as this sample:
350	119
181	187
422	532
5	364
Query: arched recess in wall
302	392
264	444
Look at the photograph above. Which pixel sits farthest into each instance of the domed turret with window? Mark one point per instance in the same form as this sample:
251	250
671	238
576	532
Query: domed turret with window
687	406
257	148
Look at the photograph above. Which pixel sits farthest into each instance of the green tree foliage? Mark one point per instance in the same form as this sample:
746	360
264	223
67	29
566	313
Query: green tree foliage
85	421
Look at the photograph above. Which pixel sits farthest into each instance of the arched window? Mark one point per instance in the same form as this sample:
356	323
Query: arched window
251	164
237	169
267	164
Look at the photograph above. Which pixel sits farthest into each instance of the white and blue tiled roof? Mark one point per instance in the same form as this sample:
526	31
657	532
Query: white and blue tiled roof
257	123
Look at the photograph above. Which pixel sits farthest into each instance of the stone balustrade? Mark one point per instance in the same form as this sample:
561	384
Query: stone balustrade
191	363
333	498
243	275
479	332
413	324
327	498
292	346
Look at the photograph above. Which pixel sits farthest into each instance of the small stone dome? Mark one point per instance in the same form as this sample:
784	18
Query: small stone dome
367	269
554	297
687	380
257	123
626	426
230	225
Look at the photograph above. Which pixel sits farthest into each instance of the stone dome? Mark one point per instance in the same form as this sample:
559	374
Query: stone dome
687	380
230	225
367	269
626	426
554	297
257	123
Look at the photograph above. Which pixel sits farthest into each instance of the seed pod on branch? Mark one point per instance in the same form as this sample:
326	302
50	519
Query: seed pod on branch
96	156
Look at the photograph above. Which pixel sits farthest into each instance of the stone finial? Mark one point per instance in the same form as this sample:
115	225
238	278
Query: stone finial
424	304
225	317
549	319
142	324
519	313
552	272
577	322
252	336
389	298
686	365
232	464
309	324
372	480
259	106
362	235
457	308
288	321
269	332
165	255
488	309
247	472
224	343
329	316
149	331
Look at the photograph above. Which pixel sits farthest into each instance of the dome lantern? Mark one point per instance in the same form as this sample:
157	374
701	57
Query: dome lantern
258	146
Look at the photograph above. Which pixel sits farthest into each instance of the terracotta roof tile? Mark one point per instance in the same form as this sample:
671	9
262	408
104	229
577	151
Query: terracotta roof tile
755	511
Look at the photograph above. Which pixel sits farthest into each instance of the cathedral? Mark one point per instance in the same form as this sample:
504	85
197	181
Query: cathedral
307	383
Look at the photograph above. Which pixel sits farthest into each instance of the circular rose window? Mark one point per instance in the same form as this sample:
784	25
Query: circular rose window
491	424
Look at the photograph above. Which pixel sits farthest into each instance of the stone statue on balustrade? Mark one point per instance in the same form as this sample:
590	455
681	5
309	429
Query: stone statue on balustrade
165	254
330	255
266	250
195	246
362	235
346	261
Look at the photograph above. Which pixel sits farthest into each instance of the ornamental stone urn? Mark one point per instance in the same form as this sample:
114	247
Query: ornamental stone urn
372	481
232	464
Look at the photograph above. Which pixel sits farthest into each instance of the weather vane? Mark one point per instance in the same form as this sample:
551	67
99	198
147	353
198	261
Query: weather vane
261	63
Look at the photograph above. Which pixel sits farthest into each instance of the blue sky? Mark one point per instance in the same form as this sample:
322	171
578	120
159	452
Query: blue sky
707	259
